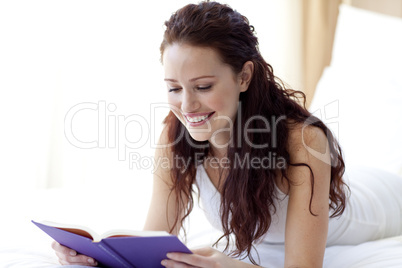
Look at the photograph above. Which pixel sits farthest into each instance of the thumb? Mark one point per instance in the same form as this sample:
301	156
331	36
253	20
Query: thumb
204	251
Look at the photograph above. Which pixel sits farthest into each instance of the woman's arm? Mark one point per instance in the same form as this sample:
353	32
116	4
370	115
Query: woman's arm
163	200
306	234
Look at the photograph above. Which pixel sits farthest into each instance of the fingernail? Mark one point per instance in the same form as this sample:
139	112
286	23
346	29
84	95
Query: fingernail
73	252
169	255
90	260
164	262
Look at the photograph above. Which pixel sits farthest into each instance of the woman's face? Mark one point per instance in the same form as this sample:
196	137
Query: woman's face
203	92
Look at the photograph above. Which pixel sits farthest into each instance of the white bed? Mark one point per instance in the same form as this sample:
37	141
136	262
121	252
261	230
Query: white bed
359	96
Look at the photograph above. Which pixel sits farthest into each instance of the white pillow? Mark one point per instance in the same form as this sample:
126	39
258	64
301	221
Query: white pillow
369	41
360	95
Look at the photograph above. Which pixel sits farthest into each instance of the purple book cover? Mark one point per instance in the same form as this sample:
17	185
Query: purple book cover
119	251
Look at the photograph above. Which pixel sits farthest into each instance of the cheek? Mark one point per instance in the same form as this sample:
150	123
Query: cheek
227	102
221	100
217	104
172	100
225	108
174	105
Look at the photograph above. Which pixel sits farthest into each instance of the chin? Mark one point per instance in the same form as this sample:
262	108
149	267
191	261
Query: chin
200	136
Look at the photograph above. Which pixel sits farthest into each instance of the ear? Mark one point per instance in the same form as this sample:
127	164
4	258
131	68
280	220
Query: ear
246	75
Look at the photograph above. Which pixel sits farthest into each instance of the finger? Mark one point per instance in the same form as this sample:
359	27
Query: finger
174	264
204	251
191	259
69	256
78	260
63	250
64	262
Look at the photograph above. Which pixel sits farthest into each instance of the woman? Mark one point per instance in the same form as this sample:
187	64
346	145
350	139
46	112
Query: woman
278	170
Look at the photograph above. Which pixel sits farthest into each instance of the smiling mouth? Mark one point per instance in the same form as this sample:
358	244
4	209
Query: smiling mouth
198	119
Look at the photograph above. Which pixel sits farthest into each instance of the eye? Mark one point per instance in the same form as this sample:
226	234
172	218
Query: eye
173	88
204	88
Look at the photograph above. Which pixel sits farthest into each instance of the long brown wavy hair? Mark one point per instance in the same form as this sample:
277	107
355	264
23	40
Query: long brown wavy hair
247	197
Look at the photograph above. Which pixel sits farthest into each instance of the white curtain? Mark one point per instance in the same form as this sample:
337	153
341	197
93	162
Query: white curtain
77	80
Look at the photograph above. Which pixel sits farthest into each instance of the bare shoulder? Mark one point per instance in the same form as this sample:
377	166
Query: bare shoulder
305	142
308	145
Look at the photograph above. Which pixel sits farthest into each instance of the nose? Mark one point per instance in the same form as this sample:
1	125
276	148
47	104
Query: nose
189	102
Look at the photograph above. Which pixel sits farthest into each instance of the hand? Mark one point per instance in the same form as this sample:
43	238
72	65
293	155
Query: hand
68	256
203	257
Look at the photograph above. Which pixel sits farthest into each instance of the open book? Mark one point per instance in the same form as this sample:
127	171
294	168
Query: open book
122	248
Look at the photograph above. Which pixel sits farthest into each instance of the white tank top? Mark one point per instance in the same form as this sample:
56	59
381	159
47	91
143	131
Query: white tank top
211	200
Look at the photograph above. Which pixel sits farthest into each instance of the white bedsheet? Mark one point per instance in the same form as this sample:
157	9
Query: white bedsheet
382	253
24	245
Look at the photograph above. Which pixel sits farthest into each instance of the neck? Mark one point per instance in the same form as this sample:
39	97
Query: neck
218	152
219	144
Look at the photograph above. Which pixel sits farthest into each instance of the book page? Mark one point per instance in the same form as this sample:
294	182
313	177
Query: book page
78	232
75	229
126	232
95	237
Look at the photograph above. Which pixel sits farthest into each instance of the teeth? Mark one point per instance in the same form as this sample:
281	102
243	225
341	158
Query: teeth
196	119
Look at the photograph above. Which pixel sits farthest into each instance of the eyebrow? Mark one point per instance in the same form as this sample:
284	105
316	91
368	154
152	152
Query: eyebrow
193	79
